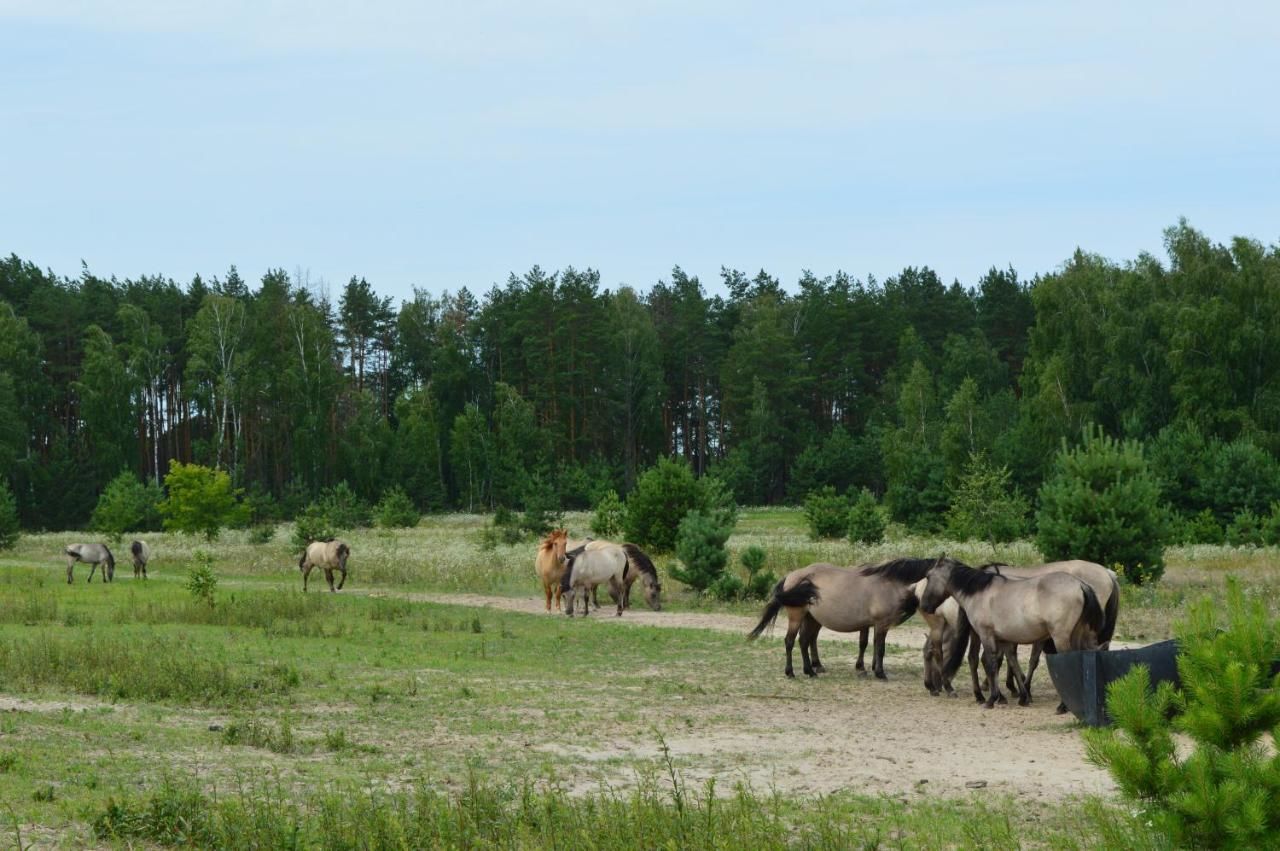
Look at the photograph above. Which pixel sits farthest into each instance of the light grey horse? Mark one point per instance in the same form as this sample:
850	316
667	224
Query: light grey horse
327	555
92	555
141	555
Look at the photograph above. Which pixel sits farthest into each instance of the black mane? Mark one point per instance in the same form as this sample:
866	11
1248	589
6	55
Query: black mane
904	570
966	580
637	557
995	567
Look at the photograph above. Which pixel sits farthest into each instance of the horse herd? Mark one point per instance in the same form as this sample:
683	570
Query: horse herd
983	613
329	555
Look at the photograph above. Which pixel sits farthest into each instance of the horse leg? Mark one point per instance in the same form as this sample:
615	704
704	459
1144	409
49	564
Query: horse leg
70	564
617	592
92	567
1015	670
306	572
990	661
1036	650
328	575
877	655
343	580
973	668
809	629
546	589
862	650
793	627
930	675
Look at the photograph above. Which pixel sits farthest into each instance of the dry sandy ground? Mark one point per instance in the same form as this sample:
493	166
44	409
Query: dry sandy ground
848	732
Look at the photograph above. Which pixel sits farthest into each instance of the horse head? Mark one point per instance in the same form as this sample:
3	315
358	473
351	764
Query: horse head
936	582
652	591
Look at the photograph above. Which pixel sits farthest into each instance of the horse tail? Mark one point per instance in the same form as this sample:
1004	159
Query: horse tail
302	560
954	655
1091	620
803	593
111	560
1110	614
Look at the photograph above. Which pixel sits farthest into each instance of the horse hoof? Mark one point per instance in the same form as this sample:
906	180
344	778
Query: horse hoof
880	675
952	694
791	675
1024	701
1061	710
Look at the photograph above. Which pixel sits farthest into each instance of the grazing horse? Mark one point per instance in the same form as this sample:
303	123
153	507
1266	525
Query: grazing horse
845	599
944	644
328	555
141	555
588	568
1006	612
92	555
639	567
550	563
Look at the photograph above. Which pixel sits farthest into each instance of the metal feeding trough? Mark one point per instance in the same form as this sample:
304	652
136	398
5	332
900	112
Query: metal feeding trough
1082	676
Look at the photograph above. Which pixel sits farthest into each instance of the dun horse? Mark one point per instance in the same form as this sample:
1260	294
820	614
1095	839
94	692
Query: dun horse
141	555
588	568
944	645
1006	612
877	596
550	563
640	566
328	555
92	555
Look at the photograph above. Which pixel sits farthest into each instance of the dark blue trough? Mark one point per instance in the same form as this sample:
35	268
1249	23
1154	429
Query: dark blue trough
1082	676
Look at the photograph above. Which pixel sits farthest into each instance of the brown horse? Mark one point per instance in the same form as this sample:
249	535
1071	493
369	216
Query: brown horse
845	599
550	563
328	555
1006	612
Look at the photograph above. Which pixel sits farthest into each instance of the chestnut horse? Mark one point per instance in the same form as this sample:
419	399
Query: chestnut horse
550	563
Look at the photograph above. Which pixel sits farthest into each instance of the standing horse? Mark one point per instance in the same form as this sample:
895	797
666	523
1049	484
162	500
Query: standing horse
943	645
92	555
328	555
844	599
1006	612
141	555
588	568
550	563
639	567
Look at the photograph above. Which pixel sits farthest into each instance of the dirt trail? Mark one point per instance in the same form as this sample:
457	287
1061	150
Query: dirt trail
848	732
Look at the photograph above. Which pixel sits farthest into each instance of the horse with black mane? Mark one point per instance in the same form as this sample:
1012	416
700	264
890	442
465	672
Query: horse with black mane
92	555
141	554
618	566
330	555
845	599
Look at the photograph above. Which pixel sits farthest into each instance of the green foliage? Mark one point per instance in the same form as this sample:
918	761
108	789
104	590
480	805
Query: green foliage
610	515
1226	792
9	527
1201	528
760	582
396	510
542	511
262	533
866	519
337	510
1236	477
984	506
827	514
663	495
201	500
202	582
126	505
1102	504
1245	530
700	548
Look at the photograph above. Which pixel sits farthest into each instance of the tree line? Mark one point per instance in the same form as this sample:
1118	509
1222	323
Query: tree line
552	385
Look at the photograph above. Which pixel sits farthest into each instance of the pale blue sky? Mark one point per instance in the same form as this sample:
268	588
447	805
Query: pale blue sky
443	145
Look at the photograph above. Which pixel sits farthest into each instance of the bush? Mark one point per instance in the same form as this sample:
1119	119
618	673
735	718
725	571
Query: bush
610	515
312	524
200	500
541	508
827	513
396	510
345	509
1237	477
760	582
664	494
263	533
1245	530
984	506
126	505
201	581
866	519
700	547
1202	528
9	527
1102	504
1223	794
727	588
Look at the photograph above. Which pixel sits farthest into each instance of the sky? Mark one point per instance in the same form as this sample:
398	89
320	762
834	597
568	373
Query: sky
432	145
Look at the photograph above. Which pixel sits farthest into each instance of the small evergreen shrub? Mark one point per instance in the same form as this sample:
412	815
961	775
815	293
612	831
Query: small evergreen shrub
1271	526
1245	530
1102	504
866	519
263	533
984	505
9	526
610	515
126	505
760	582
1201	528
345	509
827	514
700	547
727	588
313	524
396	510
201	581
664	494
541	508
1223	794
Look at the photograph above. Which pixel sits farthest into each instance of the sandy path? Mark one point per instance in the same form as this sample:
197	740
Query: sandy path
848	732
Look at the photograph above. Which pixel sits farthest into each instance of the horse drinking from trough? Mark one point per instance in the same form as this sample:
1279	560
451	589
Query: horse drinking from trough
845	599
328	555
92	555
1006	612
141	554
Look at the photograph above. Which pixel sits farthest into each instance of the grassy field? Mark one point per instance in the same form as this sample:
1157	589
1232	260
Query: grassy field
136	712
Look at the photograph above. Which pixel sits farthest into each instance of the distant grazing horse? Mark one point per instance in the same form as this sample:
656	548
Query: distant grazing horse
329	555
92	555
588	568
1006	612
550	563
141	555
845	599
640	566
